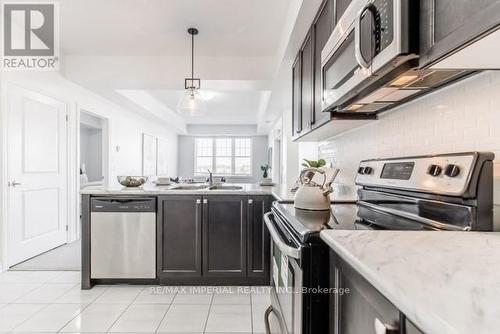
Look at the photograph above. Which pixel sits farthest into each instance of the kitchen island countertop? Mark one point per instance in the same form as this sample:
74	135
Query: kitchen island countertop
444	282
280	192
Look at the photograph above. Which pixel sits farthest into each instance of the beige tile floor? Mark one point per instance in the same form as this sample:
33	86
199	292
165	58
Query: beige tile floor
52	302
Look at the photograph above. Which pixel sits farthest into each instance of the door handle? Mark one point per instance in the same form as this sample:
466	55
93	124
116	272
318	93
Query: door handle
14	184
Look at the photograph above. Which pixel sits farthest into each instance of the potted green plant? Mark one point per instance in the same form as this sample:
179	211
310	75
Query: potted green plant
265	173
314	163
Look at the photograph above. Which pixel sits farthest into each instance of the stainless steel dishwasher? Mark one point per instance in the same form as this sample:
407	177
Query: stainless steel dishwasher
123	238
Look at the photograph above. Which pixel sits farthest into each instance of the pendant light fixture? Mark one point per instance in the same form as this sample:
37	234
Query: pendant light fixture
191	103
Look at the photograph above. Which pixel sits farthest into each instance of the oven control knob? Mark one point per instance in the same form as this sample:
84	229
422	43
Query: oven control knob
434	170
368	170
361	170
451	170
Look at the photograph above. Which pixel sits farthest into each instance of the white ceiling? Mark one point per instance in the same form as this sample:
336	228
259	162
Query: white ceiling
223	107
249	28
137	53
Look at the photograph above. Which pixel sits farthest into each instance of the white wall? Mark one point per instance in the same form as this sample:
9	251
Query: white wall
186	159
221	129
290	151
462	117
309	151
293	153
125	128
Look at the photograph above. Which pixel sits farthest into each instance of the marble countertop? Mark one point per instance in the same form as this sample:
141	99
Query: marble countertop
280	192
151	189
444	282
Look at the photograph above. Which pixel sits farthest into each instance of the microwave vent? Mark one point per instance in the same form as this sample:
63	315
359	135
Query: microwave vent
435	78
373	107
399	95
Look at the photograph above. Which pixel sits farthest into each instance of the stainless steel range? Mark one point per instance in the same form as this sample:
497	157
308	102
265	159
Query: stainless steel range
447	192
442	192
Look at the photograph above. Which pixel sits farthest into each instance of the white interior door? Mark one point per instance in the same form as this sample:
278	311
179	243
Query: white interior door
37	174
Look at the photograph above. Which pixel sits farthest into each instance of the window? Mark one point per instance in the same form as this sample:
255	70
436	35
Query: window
223	155
204	155
242	156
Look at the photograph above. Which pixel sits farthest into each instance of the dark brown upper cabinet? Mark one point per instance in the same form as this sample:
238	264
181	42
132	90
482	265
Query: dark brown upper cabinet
225	236
296	97
449	25
323	26
307	85
179	233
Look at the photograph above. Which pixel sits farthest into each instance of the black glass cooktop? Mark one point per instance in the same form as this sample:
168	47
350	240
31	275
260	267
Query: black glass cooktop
307	224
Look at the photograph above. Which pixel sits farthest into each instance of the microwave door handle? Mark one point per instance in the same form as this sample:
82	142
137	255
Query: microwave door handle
357	38
285	249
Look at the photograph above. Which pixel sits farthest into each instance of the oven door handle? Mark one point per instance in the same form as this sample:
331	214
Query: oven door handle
407	215
284	248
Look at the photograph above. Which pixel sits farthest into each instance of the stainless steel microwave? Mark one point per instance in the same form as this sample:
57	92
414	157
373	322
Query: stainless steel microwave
370	62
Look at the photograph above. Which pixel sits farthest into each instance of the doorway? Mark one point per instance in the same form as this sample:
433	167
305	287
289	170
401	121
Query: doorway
92	159
92	171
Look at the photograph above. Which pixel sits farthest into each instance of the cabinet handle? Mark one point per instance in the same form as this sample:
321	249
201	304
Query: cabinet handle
381	328
198	201
250	201
205	201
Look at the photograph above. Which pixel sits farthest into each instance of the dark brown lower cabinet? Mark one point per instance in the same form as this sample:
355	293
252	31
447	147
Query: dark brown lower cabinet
258	237
179	235
225	235
213	239
359	308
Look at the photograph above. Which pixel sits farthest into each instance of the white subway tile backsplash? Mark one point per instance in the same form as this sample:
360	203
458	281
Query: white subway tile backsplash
461	117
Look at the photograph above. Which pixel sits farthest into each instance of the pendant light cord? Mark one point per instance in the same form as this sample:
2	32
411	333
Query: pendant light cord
192	56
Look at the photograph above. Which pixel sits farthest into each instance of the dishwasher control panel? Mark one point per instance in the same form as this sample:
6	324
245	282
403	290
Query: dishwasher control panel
124	204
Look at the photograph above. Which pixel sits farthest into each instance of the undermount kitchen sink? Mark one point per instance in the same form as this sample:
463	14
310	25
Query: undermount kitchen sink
190	187
225	187
205	186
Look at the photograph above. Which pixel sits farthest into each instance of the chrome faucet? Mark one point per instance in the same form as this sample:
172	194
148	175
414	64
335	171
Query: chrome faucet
210	178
